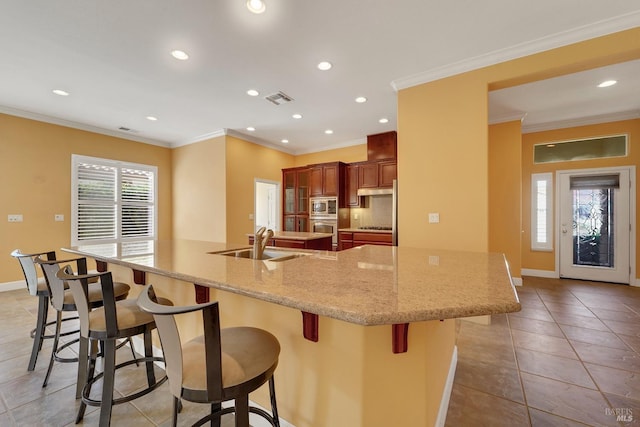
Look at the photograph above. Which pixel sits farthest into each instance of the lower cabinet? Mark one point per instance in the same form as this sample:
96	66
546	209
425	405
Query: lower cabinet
351	239
296	223
323	244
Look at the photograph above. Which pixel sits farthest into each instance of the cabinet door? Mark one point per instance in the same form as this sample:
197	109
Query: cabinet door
368	175
352	186
315	181
302	223
302	177
289	192
387	172
289	223
330	180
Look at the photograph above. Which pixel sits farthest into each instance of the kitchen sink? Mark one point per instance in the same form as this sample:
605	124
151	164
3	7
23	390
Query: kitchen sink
268	254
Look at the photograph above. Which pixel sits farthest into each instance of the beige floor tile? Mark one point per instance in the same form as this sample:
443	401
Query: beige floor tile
469	407
606	339
545	419
606	356
536	326
616	381
551	345
489	378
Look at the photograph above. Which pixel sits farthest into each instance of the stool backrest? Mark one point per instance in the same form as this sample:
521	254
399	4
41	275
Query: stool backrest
29	268
79	285
164	317
55	284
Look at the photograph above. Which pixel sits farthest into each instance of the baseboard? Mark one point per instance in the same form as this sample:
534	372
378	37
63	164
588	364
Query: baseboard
256	421
12	286
540	273
517	281
448	387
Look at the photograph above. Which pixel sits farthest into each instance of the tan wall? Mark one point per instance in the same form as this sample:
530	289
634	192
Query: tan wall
35	160
540	260
443	143
199	187
505	188
245	162
353	153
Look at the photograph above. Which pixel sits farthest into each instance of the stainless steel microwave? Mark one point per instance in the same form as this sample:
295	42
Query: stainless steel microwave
323	206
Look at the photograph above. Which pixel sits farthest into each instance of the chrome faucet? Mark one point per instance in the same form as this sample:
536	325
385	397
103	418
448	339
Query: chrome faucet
260	241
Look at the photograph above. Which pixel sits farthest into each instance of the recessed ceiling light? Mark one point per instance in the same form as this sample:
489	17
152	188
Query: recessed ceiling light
251	129
180	54
256	6
607	83
383	120
297	116
152	118
361	99
325	65
253	92
60	92
328	131
285	141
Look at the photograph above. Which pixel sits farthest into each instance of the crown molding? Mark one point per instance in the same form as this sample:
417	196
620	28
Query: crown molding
586	32
344	144
209	135
507	118
80	126
582	121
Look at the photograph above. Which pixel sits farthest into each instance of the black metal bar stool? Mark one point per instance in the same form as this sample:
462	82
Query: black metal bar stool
221	365
113	321
62	301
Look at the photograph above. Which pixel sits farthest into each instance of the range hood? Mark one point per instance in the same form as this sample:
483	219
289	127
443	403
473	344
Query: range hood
374	191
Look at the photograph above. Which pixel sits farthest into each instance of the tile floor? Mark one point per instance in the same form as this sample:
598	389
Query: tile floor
571	357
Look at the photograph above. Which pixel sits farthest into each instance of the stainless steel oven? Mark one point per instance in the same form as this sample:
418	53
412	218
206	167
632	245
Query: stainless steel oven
323	206
325	225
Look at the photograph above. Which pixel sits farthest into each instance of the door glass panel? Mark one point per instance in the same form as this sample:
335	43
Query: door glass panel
593	227
303	192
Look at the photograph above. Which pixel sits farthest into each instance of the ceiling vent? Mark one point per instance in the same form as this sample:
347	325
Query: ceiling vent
278	98
126	129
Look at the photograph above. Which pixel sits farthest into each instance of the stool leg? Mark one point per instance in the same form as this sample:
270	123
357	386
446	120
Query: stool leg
56	339
216	421
83	365
176	409
108	382
38	337
242	411
148	352
274	405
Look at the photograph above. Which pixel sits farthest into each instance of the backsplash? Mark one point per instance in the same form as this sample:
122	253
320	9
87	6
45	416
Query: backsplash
378	212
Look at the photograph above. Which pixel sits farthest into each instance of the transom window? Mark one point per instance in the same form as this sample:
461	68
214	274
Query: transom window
112	201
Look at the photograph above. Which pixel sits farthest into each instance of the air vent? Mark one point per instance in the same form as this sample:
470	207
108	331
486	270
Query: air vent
278	98
126	129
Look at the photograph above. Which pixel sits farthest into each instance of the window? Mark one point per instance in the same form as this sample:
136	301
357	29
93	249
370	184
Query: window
582	149
112	201
541	208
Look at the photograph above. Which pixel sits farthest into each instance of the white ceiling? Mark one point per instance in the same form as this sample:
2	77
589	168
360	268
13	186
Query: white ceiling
113	57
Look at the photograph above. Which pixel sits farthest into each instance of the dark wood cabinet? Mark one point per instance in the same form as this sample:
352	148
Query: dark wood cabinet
351	239
368	175
295	199
352	186
382	146
323	244
387	172
327	179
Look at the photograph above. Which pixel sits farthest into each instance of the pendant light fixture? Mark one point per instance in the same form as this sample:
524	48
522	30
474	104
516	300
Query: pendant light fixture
256	6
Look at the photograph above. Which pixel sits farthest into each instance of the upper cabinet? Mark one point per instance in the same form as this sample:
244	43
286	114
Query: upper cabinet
327	179
382	146
295	199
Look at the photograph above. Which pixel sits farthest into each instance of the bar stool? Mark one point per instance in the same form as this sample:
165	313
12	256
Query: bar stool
62	301
221	365
113	321
37	286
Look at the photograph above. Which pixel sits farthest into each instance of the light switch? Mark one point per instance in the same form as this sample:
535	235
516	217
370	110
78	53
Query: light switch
434	218
58	217
250	217
14	218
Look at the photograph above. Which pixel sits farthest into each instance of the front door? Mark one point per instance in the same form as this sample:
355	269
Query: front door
595	224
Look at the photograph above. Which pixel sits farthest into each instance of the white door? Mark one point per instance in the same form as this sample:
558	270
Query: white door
266	204
595	224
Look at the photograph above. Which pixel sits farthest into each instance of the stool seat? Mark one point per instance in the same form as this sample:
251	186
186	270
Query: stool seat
95	294
238	365
129	317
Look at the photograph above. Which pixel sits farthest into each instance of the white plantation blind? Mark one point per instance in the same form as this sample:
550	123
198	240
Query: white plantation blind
112	201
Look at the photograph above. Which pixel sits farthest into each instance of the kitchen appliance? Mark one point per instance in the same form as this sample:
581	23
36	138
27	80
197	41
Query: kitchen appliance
323	216
323	206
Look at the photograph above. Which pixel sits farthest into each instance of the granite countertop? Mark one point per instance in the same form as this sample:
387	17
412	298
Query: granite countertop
366	285
297	235
364	230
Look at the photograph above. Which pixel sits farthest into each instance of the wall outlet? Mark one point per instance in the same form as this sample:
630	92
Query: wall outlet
58	217
434	218
250	217
14	218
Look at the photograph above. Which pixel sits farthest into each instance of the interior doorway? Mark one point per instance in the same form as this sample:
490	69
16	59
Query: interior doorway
595	236
266	204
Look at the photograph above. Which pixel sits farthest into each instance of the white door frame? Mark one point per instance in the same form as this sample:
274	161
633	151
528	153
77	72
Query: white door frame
632	214
278	200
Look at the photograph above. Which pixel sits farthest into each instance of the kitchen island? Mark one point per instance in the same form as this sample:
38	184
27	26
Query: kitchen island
299	240
384	348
